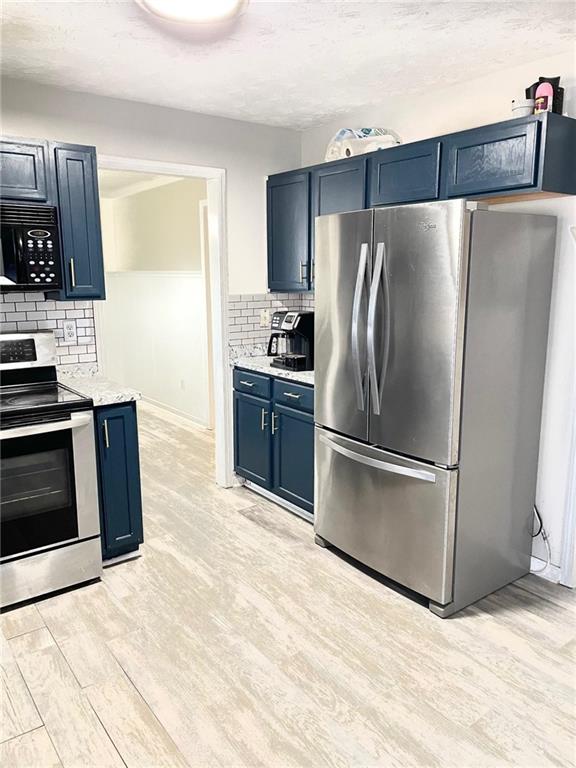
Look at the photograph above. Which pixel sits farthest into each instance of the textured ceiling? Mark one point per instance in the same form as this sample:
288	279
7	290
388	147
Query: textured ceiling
296	64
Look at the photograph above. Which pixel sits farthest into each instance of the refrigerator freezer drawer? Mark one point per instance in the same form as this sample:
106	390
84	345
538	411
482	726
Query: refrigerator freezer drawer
393	514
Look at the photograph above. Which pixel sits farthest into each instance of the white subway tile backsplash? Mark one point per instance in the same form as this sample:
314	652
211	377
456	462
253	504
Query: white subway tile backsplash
31	312
244	332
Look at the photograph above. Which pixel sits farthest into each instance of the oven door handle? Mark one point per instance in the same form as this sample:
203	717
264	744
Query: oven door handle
76	420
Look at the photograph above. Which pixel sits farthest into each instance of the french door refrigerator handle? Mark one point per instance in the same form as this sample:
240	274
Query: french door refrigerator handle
386	291
372	304
355	340
385	466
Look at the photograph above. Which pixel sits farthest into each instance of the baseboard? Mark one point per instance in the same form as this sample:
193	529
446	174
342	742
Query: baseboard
551	573
279	500
176	412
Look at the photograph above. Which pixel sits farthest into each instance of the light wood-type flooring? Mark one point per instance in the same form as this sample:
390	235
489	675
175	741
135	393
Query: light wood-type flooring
235	642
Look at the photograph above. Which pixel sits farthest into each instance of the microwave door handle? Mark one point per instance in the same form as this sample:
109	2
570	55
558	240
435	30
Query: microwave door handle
76	420
371	328
355	336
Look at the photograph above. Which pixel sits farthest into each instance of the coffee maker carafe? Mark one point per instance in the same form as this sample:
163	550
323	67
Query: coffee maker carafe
291	343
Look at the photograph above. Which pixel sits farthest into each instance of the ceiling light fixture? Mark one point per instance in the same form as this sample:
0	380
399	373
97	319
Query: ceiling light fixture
194	11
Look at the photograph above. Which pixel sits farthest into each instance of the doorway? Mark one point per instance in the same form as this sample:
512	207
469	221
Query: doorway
162	327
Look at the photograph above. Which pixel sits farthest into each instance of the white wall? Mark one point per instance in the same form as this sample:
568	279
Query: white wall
159	320
157	229
248	152
477	102
444	110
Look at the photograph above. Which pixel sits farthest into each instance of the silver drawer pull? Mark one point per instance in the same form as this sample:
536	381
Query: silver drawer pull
247	383
291	394
263	422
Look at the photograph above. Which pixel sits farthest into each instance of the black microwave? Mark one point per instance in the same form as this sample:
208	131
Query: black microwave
30	248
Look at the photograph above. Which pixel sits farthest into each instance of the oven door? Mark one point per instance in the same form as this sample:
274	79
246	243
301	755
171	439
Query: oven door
49	485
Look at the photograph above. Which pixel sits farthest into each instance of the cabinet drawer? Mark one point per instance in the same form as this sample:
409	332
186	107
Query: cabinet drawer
404	174
252	383
294	395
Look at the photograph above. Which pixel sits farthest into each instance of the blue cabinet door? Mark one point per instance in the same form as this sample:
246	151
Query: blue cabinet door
120	494
404	174
492	158
252	439
79	208
24	170
339	187
288	221
294	456
336	188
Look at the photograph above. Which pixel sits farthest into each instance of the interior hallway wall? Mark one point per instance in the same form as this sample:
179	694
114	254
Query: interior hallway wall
467	105
153	336
155	229
153	330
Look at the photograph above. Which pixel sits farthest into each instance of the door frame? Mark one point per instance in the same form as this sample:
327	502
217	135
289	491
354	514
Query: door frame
218	268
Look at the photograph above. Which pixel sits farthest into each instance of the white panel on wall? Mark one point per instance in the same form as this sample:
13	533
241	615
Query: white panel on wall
153	337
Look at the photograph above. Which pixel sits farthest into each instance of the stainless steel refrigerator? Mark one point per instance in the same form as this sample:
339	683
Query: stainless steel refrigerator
431	335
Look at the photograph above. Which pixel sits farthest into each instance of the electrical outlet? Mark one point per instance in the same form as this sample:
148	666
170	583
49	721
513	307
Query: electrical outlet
264	318
70	332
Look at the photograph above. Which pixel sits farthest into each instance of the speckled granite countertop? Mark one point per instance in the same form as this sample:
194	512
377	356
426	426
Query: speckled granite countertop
101	390
262	365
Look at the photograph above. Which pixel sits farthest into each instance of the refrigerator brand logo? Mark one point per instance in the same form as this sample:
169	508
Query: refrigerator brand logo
426	226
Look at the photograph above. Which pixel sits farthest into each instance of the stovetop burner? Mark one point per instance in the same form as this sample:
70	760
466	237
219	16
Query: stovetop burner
29	389
50	398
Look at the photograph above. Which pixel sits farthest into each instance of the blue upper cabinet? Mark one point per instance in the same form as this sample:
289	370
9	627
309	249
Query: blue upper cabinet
493	158
79	208
339	187
288	221
24	170
336	188
120	495
403	174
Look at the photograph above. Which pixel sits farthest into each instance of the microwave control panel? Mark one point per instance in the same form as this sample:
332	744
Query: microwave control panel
41	260
21	351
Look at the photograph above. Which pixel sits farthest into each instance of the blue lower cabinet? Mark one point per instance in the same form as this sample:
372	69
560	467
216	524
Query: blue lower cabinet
253	439
294	456
119	476
274	437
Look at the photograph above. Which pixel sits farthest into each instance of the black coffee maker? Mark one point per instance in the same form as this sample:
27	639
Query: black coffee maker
291	343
